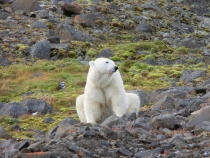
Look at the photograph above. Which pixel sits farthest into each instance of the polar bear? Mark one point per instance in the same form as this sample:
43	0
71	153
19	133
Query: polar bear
104	93
133	102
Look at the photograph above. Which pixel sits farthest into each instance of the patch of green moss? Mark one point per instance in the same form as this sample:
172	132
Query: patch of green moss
115	58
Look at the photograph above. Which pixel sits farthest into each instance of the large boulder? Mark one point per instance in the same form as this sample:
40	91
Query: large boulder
41	50
37	105
13	110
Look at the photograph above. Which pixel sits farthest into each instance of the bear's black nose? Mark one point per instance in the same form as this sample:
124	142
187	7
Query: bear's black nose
115	68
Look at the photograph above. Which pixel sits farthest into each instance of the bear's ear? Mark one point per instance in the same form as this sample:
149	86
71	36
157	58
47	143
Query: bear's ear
91	63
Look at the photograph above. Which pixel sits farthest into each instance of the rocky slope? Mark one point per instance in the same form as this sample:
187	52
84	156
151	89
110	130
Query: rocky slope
165	32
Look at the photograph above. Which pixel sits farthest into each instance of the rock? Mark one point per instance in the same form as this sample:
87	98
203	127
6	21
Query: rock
130	116
74	148
163	121
24	144
25	5
39	24
148	153
165	103
152	6
56	1
13	110
4	61
190	75
43	14
4	134
86	20
202	127
54	39
106	53
142	122
177	140
70	8
198	117
125	152
192	42
41	50
69	121
112	120
3	14
37	105
11	153
60	46
48	120
143	27
67	32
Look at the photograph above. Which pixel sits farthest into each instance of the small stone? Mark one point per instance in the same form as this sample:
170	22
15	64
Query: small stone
24	144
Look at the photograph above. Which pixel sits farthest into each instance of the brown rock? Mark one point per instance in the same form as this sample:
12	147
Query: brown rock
70	7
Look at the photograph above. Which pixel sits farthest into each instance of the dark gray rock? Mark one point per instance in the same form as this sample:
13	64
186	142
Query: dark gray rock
4	61
59	46
148	153
37	105
74	148
24	144
68	121
67	32
41	50
39	24
202	127
198	117
163	121
26	6
106	53
165	103
190	75
13	110
3	14
130	116
112	120
143	123
195	104
174	92
143	27
152	6
54	39
177	140
192	42
125	152
48	120
56	1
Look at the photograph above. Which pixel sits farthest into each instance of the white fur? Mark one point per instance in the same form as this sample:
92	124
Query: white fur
134	105
104	93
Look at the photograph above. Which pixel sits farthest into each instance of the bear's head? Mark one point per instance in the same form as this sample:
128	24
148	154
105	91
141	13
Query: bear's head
103	65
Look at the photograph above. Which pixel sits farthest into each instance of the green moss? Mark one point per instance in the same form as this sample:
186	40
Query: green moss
115	58
72	54
182	50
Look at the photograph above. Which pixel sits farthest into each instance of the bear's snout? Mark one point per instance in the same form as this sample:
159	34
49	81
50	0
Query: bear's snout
115	68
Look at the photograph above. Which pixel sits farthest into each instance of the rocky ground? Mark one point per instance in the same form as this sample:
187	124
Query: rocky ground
177	122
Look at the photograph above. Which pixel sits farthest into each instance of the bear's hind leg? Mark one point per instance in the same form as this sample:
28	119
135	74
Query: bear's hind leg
80	108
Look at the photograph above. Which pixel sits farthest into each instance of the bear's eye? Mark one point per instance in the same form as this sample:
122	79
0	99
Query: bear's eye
107	62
